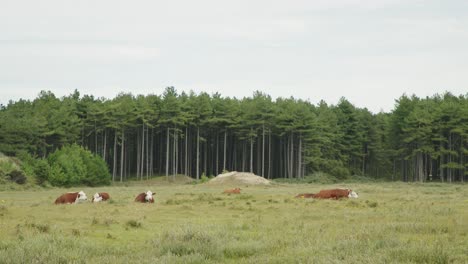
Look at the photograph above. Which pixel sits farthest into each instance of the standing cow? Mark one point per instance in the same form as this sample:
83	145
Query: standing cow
145	197
71	197
98	197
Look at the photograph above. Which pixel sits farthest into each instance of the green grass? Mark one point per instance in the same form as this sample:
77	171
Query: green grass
389	223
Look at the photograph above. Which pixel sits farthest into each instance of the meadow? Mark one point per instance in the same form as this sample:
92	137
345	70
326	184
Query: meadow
196	223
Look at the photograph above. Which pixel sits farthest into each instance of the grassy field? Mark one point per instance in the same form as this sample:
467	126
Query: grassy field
389	223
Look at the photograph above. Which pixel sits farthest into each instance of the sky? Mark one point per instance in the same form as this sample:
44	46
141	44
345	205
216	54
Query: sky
369	51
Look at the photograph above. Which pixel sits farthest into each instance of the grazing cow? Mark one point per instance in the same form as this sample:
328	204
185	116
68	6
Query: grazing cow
98	197
146	197
233	191
336	194
69	198
305	195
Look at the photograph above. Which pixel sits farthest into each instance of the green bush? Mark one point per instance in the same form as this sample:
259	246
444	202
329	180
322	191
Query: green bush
42	171
204	178
73	165
37	167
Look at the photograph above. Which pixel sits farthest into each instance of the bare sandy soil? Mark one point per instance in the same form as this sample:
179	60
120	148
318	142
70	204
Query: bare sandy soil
238	178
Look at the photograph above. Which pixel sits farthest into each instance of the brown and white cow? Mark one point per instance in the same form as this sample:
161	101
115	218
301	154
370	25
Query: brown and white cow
71	197
233	191
146	197
335	194
98	197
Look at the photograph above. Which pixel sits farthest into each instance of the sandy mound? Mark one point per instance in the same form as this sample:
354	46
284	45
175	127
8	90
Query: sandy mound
238	178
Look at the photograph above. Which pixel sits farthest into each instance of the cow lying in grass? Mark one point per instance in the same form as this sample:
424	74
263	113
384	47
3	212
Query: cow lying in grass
330	194
146	197
72	197
98	197
233	191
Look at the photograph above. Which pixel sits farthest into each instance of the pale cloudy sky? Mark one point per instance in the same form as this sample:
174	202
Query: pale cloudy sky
369	51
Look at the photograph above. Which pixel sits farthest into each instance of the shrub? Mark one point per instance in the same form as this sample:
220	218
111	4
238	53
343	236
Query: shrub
42	171
6	167
73	165
34	167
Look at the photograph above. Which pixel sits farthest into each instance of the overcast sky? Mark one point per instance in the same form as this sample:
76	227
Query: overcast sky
369	51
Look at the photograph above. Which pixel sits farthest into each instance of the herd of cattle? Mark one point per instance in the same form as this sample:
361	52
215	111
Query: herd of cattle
147	197
76	197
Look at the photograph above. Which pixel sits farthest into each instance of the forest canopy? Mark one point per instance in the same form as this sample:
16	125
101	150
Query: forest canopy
140	136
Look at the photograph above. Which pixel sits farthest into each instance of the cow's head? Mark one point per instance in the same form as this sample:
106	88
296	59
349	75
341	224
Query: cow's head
352	194
149	195
81	197
97	198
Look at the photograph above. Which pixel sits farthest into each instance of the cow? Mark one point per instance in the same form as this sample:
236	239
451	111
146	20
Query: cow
71	197
146	197
233	191
335	194
98	197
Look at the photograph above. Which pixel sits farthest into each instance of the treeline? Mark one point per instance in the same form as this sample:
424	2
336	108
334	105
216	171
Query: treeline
195	134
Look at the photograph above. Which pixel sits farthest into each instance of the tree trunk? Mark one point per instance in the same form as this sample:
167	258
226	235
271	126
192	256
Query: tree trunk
167	154
186	152
420	164
234	156
142	156
138	155
449	169
258	159
122	155
95	138
364	163
205	159
299	159
224	151
105	146
114	165
243	155
441	162
263	151
291	155
217	154
251	151
462	160
175	160
146	155
198	153
269	154
152	153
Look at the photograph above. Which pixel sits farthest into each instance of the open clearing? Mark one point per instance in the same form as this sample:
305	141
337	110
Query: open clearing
388	223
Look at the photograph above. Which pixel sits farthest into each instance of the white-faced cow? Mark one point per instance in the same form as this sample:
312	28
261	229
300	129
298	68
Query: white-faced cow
71	197
146	197
98	197
335	194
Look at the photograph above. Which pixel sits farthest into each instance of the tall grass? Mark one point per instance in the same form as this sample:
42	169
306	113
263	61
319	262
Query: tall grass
389	223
